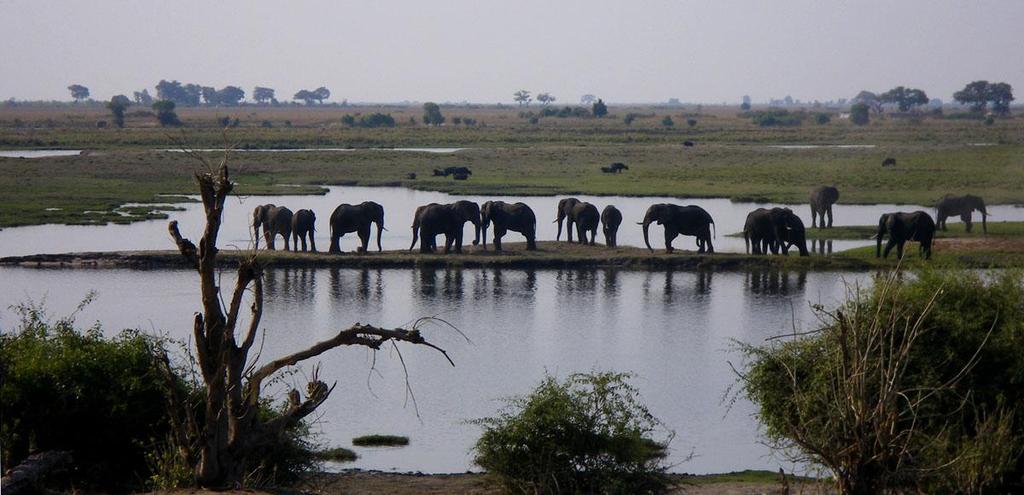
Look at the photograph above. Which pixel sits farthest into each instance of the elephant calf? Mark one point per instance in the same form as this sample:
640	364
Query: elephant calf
611	218
303	227
902	227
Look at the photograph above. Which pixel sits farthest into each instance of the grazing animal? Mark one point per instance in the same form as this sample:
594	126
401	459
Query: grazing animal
889	162
411	176
964	206
688	144
608	170
438	172
457	171
902	227
686	220
822	199
460	176
615	168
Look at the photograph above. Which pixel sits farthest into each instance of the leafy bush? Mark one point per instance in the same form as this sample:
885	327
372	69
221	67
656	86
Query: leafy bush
64	389
822	118
667	121
911	385
380	441
777	118
860	113
587	434
629	118
691	122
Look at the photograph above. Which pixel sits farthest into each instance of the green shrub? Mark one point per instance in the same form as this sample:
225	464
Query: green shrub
777	118
667	121
587	434
337	454
860	113
822	118
65	389
911	385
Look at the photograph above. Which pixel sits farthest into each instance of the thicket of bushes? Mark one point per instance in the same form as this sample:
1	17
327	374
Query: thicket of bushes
369	120
777	118
107	401
587	434
913	385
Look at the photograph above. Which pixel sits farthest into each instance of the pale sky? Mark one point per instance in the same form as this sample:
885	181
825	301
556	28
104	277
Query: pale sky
483	51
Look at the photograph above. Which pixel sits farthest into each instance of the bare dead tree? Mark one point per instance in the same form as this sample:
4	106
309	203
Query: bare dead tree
230	429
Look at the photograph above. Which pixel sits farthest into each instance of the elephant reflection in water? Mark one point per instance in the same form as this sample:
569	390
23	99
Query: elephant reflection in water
772	281
701	284
427	281
582	280
821	246
611	282
368	284
296	283
453	284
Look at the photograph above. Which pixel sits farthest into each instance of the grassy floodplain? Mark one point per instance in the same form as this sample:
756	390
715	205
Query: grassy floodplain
508	154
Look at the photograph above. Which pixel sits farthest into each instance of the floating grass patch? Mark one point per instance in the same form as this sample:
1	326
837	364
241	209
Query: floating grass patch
380	441
337	454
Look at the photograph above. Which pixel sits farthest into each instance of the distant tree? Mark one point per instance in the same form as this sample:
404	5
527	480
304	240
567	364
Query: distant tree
599	109
788	100
588	99
165	113
432	114
189	94
262	95
522	97
117	106
674	102
667	121
904	98
975	95
859	113
870	99
545	98
745	106
822	118
1000	94
143	98
78	92
746	99
321	94
230	95
306	96
210	95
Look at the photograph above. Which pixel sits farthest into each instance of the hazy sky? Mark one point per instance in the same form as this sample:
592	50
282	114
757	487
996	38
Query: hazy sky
483	51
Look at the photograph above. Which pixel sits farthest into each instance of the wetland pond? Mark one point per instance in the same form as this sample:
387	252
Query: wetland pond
674	330
400	205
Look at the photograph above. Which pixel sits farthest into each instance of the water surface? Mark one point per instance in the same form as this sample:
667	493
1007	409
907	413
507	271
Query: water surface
673	330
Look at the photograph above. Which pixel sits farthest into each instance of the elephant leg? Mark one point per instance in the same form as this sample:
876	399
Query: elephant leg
531	241
458	241
286	246
891	243
593	236
967	218
499	232
670	235
829	211
448	240
312	242
426	242
568	230
899	249
335	244
295	241
814	218
364	237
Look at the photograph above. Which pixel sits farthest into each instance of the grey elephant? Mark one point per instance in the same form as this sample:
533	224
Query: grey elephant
450	220
586	218
822	199
517	217
686	220
611	218
775	230
356	218
275	221
303	227
565	207
902	227
964	206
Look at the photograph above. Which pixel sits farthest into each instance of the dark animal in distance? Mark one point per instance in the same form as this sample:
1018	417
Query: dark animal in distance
902	227
964	206
822	199
411	176
688	144
614	168
889	162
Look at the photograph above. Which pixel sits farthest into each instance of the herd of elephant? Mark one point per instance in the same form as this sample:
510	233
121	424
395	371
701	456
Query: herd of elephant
766	230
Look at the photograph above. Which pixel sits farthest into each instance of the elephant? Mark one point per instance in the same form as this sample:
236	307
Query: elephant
517	217
450	219
902	227
303	226
565	207
615	168
822	199
686	220
889	162
964	206
775	229
586	218
356	218
275	221
611	218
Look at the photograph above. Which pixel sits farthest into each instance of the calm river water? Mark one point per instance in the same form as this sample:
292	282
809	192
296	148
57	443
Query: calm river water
674	330
399	206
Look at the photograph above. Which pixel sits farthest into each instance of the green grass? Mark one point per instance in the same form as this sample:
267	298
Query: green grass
380	441
337	454
747	476
954	230
509	156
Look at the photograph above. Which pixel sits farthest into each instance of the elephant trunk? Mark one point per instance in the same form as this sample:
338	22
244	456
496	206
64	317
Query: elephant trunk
984	215
380	230
878	237
647	241
415	233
